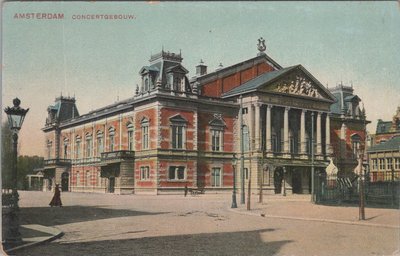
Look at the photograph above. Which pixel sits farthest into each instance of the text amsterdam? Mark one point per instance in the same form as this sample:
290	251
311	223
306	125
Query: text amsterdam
39	16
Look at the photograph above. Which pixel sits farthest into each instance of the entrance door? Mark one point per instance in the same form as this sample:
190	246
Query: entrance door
296	182
278	177
64	181
111	184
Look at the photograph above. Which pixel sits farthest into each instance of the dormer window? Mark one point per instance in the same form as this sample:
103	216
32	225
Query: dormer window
146	84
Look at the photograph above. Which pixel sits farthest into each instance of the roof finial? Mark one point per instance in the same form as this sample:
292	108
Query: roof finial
261	45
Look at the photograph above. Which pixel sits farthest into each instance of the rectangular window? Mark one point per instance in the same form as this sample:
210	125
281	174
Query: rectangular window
397	163
78	149
246	140
144	173
246	173
216	177
112	141
177	136
89	147
130	140
99	145
216	140
381	163
356	148
375	164
389	162
176	173
49	145
66	151
145	137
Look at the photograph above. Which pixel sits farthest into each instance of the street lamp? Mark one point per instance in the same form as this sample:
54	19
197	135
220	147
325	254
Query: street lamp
16	116
234	162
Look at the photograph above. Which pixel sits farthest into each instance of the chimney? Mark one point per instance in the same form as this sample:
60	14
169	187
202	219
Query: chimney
201	69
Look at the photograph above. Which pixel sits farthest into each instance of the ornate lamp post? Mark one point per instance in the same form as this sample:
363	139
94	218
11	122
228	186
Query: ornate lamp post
234	162
16	116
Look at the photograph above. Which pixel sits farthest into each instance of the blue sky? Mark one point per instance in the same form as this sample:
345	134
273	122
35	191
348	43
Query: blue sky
98	60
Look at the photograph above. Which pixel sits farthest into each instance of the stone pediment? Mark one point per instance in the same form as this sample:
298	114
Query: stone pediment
297	85
301	83
295	80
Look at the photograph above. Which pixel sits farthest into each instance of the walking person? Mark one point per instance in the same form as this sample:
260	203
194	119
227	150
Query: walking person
56	201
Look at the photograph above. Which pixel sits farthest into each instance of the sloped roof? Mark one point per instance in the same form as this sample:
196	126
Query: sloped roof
258	81
383	126
390	145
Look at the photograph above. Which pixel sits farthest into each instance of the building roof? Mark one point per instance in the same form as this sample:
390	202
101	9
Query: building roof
391	145
383	126
258	81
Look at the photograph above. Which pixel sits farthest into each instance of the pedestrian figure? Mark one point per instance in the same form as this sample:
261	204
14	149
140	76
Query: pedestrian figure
56	201
186	190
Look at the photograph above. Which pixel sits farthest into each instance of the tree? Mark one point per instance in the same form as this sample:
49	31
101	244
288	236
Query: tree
25	164
6	155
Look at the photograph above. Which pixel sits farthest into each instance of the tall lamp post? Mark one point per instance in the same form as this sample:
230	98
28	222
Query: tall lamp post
234	162
16	116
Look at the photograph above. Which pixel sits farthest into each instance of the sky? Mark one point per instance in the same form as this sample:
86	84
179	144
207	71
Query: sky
98	60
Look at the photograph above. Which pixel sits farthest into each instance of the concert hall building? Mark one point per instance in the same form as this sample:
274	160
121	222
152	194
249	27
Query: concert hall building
178	131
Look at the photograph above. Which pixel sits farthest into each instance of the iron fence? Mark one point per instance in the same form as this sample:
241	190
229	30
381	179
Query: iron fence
345	189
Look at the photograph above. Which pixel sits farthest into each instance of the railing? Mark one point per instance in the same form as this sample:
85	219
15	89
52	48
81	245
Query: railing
86	160
346	190
57	161
122	154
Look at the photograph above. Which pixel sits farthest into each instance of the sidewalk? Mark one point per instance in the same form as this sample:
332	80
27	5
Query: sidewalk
34	234
299	207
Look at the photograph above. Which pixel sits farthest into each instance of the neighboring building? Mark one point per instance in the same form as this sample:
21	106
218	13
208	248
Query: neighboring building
384	160
384	153
177	131
386	130
348	128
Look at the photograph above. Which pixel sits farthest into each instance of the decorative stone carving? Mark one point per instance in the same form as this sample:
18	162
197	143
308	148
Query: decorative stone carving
299	85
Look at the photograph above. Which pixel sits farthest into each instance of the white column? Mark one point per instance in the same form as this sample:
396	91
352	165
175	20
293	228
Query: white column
286	130
303	132
319	145
268	128
328	134
257	119
251	126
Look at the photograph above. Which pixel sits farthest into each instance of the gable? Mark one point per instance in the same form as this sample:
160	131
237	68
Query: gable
298	82
177	69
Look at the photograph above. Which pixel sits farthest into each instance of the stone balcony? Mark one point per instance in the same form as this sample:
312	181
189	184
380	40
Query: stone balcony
116	156
56	162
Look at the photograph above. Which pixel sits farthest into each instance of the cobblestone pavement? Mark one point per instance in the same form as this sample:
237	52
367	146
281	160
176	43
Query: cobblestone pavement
106	224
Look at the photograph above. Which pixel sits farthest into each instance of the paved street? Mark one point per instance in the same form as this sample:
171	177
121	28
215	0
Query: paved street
106	224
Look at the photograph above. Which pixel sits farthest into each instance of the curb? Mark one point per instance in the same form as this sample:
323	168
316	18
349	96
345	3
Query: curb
314	219
53	232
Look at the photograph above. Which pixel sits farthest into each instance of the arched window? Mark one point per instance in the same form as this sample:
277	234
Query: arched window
355	144
145	133
111	139
146	84
66	145
89	144
100	142
130	136
78	144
